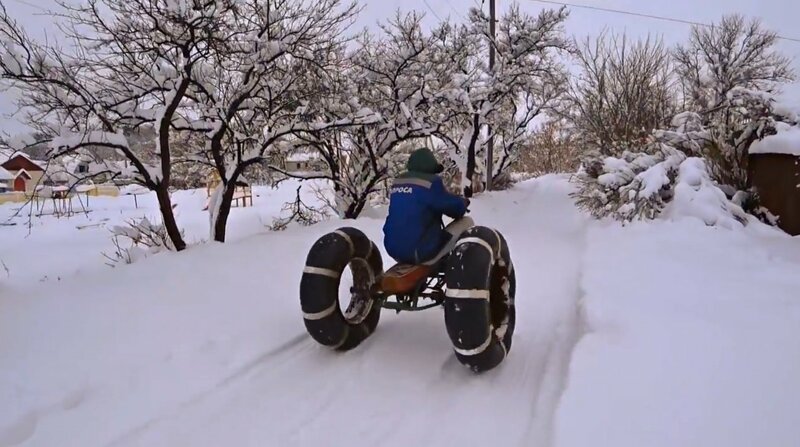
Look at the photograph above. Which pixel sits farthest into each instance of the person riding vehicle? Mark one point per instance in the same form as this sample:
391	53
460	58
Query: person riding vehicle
414	232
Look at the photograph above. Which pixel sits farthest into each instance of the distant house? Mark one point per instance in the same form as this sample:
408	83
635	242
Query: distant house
82	167
67	169
304	162
6	181
25	173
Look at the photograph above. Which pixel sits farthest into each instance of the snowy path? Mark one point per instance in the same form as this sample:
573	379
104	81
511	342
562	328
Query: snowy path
219	356
660	334
403	386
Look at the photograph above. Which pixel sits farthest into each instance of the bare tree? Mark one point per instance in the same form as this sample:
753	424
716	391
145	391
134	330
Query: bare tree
233	75
624	92
552	149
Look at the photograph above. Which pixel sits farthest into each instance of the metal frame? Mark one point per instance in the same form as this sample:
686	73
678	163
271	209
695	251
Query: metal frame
430	288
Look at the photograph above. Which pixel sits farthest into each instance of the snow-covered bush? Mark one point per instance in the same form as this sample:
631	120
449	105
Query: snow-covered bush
696	195
699	166
745	117
640	186
138	239
630	187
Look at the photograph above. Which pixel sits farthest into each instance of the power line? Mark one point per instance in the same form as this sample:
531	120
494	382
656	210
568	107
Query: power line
32	5
437	15
648	16
455	10
431	9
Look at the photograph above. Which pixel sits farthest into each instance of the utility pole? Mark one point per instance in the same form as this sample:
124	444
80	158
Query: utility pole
490	151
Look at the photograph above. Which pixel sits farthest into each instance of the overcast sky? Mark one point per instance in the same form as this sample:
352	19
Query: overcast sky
782	16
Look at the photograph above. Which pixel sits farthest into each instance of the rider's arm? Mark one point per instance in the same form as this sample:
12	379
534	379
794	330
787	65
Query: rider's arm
449	204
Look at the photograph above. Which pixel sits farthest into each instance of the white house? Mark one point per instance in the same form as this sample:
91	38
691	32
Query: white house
78	167
304	162
6	180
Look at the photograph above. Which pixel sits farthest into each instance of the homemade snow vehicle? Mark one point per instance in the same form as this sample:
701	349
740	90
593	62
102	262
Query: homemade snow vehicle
473	278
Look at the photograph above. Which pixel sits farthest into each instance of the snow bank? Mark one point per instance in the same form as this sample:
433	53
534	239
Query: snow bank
691	340
697	196
786	141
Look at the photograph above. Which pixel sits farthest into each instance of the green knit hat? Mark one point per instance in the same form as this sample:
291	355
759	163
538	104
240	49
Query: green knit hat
423	160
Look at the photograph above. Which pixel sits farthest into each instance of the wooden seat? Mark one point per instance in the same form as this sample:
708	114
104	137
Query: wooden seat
402	278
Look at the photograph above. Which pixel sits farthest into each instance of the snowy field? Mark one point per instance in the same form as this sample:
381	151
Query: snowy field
666	333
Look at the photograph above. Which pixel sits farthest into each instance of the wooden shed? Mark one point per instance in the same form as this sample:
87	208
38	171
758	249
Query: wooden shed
774	171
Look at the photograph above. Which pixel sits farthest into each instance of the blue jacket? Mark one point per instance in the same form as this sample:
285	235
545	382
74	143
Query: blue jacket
413	232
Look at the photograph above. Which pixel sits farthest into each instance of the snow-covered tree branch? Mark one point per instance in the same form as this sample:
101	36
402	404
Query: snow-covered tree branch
268	61
384	91
526	81
129	65
729	74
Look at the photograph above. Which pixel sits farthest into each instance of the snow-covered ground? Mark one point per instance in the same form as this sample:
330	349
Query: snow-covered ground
665	333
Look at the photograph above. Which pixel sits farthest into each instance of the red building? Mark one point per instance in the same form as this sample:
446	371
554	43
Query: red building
25	172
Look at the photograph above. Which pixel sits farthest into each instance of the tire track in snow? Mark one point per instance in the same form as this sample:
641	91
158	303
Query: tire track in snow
549	348
555	376
568	333
284	349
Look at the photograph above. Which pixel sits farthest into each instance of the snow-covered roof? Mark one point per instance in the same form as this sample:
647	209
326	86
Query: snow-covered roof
39	163
5	175
786	141
299	157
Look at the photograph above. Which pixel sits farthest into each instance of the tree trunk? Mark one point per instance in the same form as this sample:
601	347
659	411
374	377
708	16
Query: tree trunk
221	222
470	174
355	208
165	203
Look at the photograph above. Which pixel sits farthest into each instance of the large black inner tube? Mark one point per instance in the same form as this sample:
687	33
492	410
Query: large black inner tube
319	289
479	305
